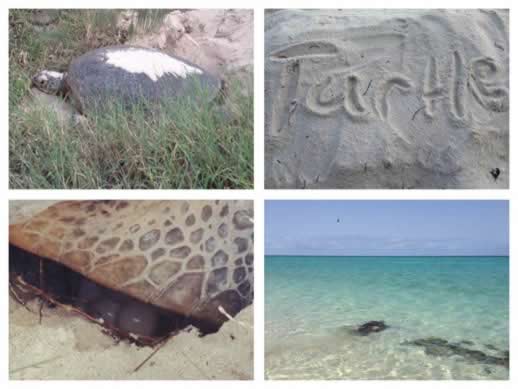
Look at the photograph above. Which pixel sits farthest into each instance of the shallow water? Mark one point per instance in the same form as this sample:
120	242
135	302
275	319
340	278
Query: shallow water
309	300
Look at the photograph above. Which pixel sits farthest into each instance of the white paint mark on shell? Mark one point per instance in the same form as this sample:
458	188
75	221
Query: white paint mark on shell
151	63
51	74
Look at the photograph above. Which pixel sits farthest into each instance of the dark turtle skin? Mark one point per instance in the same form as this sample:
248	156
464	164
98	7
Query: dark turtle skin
370	327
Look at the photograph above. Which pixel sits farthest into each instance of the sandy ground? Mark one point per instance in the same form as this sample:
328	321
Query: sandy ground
22	210
219	40
67	346
387	99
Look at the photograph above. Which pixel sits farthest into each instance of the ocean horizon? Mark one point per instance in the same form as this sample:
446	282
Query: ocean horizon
447	317
386	256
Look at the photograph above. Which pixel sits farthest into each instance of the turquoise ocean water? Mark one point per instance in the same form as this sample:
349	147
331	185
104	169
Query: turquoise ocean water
312	302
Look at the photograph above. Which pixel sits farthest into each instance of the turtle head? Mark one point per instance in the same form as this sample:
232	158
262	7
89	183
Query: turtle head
49	82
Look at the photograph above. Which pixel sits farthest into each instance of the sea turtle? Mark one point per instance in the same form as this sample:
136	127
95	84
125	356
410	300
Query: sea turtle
370	327
126	75
140	268
435	346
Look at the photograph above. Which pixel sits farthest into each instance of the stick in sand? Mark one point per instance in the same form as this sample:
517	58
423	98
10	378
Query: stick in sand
224	313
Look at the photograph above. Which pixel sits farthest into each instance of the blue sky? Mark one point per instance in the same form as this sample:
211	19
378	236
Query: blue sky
387	227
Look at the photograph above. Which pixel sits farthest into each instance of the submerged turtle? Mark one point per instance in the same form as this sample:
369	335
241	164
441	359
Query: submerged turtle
370	327
435	346
126	75
364	329
140	268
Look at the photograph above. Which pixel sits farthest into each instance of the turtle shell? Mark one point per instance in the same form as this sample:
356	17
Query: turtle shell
186	257
128	75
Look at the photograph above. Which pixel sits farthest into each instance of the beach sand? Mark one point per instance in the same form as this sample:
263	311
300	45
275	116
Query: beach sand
67	346
387	99
219	40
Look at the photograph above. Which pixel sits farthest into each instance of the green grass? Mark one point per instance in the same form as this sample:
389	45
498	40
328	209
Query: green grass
182	144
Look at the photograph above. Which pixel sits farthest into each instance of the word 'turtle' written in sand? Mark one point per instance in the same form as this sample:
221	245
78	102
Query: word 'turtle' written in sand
344	89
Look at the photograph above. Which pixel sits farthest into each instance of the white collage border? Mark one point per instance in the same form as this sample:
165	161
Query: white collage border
259	194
